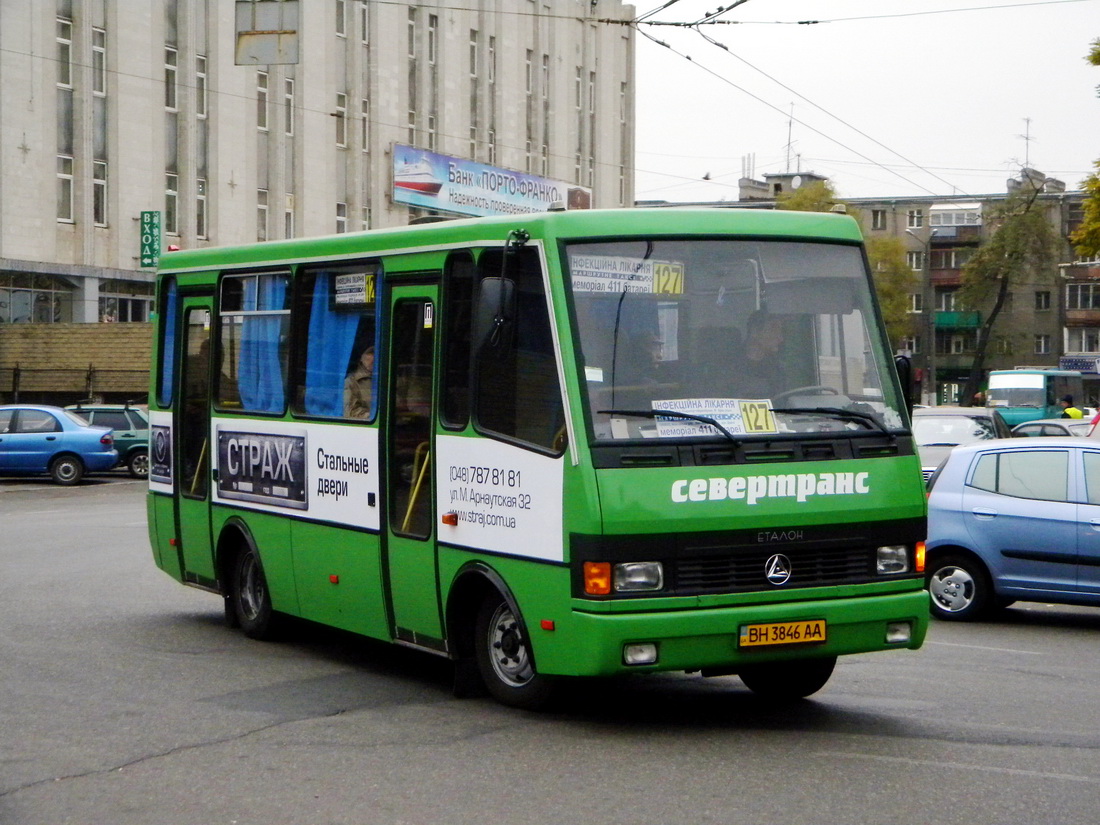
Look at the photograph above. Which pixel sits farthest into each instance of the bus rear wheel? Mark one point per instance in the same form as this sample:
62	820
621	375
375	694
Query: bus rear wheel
251	600
784	681
504	657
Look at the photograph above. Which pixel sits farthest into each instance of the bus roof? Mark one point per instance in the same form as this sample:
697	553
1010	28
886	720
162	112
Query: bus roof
593	223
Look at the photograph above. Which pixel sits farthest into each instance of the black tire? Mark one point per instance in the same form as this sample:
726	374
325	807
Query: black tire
67	470
786	681
960	588
504	657
250	598
138	464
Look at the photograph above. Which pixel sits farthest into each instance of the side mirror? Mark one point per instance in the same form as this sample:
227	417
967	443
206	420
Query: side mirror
494	313
904	369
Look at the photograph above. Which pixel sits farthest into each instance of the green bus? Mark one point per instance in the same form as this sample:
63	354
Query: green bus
578	443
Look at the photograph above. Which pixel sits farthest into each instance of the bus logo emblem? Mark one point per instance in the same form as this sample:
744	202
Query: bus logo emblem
778	569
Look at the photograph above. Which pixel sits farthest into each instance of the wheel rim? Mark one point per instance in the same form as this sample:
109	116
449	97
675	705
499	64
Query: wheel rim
507	649
253	591
140	465
66	470
953	589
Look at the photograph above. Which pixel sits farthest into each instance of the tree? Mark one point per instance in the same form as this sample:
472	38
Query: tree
1020	250
818	196
1086	238
895	281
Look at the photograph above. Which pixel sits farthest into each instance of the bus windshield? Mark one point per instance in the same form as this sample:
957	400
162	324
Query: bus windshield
1017	397
681	338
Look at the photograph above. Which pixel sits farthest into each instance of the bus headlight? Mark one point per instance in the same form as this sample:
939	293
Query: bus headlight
638	576
892	559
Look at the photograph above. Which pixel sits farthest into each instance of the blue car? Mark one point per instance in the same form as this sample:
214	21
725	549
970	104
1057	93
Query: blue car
35	438
1014	519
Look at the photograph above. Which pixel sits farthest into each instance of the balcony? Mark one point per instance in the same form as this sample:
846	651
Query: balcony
958	320
1083	317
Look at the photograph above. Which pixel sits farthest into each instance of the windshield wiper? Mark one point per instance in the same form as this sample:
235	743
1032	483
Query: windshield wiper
705	419
849	415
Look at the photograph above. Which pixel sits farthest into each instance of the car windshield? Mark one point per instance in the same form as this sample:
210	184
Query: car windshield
692	337
951	430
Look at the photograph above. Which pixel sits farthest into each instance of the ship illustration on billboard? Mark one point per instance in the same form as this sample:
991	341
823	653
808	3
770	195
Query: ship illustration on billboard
417	176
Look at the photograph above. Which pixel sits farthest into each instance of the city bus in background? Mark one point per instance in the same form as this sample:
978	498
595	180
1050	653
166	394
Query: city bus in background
578	443
1028	393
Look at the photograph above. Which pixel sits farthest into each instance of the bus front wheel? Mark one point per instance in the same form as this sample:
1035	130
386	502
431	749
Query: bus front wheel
504	657
785	681
251	599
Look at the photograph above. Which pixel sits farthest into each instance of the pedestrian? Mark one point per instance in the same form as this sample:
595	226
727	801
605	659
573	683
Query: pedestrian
1068	410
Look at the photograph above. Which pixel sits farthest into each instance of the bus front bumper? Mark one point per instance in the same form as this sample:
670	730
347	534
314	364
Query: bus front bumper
599	644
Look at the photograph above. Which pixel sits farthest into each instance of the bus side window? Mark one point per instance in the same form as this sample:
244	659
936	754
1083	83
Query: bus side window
517	393
458	289
336	374
169	310
250	370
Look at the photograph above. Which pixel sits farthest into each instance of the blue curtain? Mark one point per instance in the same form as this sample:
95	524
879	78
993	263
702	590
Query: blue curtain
331	338
260	377
168	346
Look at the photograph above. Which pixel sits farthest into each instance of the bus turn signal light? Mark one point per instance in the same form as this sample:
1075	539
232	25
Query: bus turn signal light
597	578
450	518
919	562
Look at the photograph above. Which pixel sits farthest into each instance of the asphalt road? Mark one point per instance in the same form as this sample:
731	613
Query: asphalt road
125	701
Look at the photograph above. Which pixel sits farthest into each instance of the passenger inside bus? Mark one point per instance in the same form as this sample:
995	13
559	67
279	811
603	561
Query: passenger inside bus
359	386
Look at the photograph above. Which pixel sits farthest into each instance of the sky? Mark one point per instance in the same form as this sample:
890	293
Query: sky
905	97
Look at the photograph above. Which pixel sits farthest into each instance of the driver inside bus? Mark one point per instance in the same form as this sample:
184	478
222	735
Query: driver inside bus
761	370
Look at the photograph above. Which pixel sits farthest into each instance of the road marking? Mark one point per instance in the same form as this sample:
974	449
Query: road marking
962	765
983	647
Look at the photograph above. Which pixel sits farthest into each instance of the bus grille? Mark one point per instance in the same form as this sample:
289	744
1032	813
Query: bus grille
746	571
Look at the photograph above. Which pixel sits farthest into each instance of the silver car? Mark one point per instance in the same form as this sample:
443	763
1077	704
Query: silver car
940	429
1055	426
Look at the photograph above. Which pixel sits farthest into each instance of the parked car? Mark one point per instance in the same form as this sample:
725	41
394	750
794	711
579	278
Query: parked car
131	426
1054	426
35	438
940	429
1012	520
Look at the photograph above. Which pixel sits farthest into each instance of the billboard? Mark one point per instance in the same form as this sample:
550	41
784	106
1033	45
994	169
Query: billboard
449	184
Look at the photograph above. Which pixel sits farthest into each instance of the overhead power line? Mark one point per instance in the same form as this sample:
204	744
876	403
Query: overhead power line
837	118
714	22
786	115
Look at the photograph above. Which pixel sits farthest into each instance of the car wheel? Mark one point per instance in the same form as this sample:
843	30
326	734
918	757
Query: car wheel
504	657
251	598
67	470
785	681
959	587
138	464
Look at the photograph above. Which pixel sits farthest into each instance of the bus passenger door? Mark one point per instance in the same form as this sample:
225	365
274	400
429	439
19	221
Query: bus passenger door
192	426
409	454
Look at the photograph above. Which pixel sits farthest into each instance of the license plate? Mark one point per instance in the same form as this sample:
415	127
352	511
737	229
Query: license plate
810	631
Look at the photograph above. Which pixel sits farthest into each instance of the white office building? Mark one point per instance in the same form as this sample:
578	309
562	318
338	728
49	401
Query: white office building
235	122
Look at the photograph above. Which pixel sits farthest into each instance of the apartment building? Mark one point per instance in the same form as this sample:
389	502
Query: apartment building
196	122
1040	323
